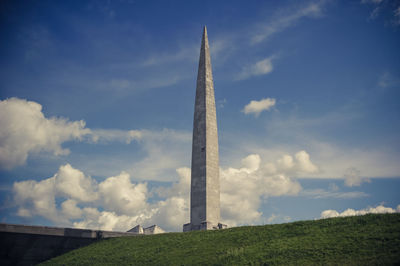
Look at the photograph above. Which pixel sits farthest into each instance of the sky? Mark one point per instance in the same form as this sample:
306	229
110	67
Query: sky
97	101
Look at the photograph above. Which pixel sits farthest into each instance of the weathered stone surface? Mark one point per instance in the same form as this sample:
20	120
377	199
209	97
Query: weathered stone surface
151	230
205	195
138	229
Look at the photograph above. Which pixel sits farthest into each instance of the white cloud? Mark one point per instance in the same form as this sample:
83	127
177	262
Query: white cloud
297	166
70	209
251	163
105	220
261	67
276	218
386	79
323	194
72	183
108	135
166	150
25	130
352	212
171	213
332	158
304	163
396	20
286	162
36	198
123	203
256	107
352	177
39	198
375	13
118	204
243	189
287	19
180	188
189	53
371	1
118	194
380	7
271	218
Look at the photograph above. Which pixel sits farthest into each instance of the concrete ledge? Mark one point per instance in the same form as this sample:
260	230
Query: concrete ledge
58	231
30	245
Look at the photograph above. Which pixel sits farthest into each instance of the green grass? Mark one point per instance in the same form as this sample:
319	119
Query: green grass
361	240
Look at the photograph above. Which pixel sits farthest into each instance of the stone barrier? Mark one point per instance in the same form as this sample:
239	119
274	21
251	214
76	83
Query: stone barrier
30	245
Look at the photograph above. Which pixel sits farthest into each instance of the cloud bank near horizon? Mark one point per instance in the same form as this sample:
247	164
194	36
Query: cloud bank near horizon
351	212
72	198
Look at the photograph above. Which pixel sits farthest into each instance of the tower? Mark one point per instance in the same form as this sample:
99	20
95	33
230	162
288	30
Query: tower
204	193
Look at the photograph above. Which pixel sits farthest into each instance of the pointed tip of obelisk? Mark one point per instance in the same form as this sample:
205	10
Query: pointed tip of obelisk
204	41
204	31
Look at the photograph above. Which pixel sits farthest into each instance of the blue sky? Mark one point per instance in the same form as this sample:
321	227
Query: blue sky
97	101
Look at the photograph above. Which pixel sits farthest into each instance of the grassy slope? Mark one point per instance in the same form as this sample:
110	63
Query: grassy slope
362	240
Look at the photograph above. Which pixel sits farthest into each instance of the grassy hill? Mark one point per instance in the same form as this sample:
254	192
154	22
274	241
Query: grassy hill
361	240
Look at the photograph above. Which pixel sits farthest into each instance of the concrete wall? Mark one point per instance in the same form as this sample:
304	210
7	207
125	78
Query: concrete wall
29	245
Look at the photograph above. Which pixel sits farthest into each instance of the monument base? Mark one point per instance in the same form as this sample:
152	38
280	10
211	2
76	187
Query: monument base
203	226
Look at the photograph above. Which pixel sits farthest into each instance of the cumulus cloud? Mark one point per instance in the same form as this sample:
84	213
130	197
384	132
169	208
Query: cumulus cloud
72	198
256	107
120	195
353	178
39	198
261	67
24	130
171	213
36	198
70	209
114	204
299	165
243	189
105	220
352	212
304	163
72	183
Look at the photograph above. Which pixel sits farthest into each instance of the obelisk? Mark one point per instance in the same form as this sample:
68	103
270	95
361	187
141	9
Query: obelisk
204	194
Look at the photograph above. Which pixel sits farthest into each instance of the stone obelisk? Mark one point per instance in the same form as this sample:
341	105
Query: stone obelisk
204	194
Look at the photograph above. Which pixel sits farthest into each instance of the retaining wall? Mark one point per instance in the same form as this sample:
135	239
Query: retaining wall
30	245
